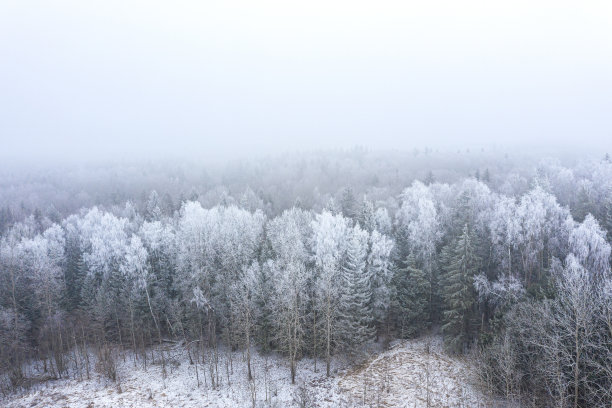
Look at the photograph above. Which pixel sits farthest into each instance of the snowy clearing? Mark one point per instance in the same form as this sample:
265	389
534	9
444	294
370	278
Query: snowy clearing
404	376
416	373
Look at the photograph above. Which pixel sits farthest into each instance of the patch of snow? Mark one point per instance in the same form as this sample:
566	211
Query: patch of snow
404	376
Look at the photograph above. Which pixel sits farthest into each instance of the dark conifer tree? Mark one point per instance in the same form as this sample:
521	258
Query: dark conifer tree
459	294
411	298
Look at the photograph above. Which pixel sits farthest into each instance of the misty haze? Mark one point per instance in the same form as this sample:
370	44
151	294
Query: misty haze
318	204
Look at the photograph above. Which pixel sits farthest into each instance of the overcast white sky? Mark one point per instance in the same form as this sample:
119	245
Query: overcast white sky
225	78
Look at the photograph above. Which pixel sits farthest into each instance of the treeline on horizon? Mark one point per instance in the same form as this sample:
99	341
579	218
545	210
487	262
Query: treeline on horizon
513	267
310	178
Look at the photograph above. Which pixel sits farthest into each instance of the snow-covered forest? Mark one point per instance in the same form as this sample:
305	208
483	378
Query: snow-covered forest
328	258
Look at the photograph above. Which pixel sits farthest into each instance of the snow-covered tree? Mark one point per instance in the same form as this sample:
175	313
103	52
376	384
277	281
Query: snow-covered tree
159	240
534	231
328	244
43	256
503	292
418	232
383	221
264	291
215	246
355	322
418	224
587	242
288	236
251	201
381	274
242	300
504	229
74	268
153	211
13	300
134	269
104	240
366	215
289	305
574	318
348	203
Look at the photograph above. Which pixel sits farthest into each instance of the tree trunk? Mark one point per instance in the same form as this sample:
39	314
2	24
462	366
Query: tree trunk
314	340
248	345
328	351
158	332
576	366
132	329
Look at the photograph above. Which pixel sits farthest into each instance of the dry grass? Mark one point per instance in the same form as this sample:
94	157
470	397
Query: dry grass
414	373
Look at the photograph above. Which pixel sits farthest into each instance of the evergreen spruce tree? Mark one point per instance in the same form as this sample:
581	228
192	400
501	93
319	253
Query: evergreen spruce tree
6	219
112	302
381	274
411	298
167	205
459	294
366	215
608	218
348	203
583	205
429	178
355	313
153	210
332	206
74	274
486	178
263	291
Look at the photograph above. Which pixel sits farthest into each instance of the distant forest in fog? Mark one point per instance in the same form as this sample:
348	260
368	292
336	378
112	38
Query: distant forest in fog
274	183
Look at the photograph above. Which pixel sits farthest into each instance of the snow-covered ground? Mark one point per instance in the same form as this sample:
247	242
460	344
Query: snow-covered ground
407	375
